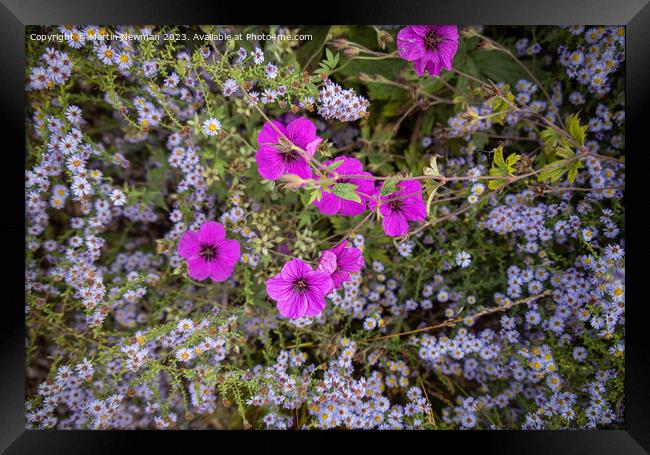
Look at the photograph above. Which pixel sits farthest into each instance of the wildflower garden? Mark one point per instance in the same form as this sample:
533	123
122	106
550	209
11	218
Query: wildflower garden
343	227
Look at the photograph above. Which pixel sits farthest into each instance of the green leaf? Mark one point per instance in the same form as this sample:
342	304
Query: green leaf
387	68
501	168
304	219
157	177
379	91
512	159
432	170
346	191
329	55
496	184
389	186
577	131
553	172
480	139
158	200
564	152
311	51
332	60
497	66
498	158
573	171
393	108
501	104
334	165
315	195
431	196
551	139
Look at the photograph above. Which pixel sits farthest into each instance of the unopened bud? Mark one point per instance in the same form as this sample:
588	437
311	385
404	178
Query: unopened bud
363	77
339	43
383	37
292	180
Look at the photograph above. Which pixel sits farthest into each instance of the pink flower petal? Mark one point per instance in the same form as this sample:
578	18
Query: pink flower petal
410	187
198	268
270	164
189	245
414	210
299	167
395	224
433	67
220	272
319	281
350	260
279	288
338	278
349	165
313	145
315	302
301	132
329	204
328	262
295	269
352	208
410	44
295	307
211	232
422	30
228	252
269	135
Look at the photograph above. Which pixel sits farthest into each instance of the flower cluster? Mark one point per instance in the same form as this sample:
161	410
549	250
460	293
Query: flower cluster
340	104
425	230
300	291
599	54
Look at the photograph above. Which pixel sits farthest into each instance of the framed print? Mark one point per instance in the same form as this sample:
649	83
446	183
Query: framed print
398	219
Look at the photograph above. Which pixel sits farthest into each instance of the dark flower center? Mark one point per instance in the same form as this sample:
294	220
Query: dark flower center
432	40
395	205
288	157
285	148
300	285
208	252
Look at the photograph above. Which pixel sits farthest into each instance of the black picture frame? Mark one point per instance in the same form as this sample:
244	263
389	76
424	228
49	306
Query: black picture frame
635	14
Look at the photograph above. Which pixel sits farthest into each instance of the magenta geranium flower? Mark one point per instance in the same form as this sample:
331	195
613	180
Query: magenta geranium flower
209	253
429	47
339	262
276	157
298	290
403	205
331	204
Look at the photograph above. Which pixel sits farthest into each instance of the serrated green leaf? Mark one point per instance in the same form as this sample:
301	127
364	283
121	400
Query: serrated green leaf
495	184
334	165
564	152
389	186
553	172
501	168
304	219
315	195
512	159
577	131
329	55
573	171
346	191
498	158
